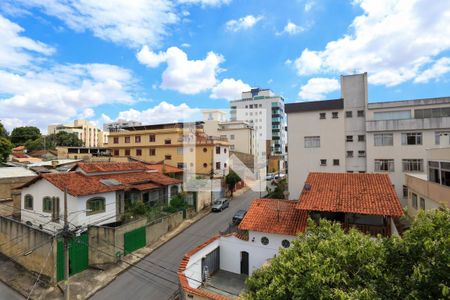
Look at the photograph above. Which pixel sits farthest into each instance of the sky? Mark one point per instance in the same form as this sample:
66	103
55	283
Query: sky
156	61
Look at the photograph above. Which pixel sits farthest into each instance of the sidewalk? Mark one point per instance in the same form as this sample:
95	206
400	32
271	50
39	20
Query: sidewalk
83	285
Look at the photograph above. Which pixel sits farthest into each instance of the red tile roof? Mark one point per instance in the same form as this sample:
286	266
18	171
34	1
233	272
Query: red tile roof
19	148
100	167
362	193
274	216
168	169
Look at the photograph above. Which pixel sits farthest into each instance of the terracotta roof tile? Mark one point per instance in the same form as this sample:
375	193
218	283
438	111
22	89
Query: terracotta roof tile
274	216
363	193
98	167
168	169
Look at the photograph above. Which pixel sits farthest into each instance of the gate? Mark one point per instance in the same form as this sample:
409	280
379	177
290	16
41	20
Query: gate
134	240
210	263
78	256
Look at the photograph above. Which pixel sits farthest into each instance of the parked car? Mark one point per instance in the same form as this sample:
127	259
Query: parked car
280	176
270	176
220	204
238	216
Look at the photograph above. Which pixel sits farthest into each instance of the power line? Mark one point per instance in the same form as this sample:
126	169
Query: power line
39	275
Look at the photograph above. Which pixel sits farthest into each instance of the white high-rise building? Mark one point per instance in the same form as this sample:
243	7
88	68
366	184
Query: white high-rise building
351	135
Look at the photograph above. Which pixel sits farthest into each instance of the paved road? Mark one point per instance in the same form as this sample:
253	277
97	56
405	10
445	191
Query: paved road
8	293
137	284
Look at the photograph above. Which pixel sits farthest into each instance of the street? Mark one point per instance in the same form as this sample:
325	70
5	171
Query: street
8	293
147	280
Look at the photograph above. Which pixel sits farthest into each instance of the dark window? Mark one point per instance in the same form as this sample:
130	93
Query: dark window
349	153
47	205
361	153
28	202
138	152
412	138
116	140
180	165
264	240
335	162
405	191
152	151
168	157
224	150
323	116
414	200
167	141
217	150
116	152
285	243
348	114
323	162
95	205
335	115
360	113
137	139
205	165
349	138
218	165
412	165
384	165
151	138
422	203
204	149
127	139
127	152
361	138
225	165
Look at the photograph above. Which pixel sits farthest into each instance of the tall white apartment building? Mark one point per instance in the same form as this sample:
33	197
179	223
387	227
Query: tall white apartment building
88	133
351	135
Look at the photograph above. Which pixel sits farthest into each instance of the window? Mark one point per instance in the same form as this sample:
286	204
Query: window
323	162
392	115
180	150
412	165
414	200
348	114
412	138
349	153
438	112
438	135
47	205
422	203
138	152
127	139
218	165
95	205
180	165
151	138
232	147
360	113
217	150
231	136
334	114
439	172
335	162
285	243
224	150
127	152
28	202
405	191
361	153
152	151
225	165
168	157
361	138
323	116
137	139
349	138
116	152
167	141
264	240
116	140
383	139
205	165
384	165
312	141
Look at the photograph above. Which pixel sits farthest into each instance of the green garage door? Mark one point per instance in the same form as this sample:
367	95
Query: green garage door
134	240
78	256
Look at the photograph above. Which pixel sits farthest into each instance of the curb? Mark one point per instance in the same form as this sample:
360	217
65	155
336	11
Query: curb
13	288
130	265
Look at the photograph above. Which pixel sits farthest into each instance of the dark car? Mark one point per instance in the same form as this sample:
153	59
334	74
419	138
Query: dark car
238	216
220	204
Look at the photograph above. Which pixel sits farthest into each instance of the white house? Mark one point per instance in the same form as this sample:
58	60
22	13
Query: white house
97	193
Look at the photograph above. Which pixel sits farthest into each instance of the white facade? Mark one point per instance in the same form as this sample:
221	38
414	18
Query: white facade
350	129
220	160
76	207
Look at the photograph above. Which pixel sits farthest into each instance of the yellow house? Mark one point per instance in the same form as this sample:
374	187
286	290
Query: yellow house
181	145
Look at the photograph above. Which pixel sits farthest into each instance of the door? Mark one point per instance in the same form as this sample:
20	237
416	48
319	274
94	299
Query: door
244	262
134	240
210	263
78	256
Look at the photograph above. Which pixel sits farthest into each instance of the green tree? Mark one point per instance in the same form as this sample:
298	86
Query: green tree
280	188
231	180
5	149
20	135
326	263
3	132
66	139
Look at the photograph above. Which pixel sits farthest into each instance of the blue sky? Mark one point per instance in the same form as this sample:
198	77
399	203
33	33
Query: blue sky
159	60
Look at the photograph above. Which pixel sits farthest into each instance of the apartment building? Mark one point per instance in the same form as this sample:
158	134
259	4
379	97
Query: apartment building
119	124
181	145
240	134
88	133
351	135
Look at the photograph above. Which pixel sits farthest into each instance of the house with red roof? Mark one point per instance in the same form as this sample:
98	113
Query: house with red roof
97	194
367	202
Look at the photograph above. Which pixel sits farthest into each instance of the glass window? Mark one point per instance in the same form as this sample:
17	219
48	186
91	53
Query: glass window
205	165
152	151
217	150
349	153
392	115
335	162
312	141
444	136
180	150
412	165
360	113
127	139
432	113
412	138
361	153
383	139
116	140
116	152
348	114
323	115
95	205
127	152
167	141
264	240
168	157
151	138
422	203
137	139
335	115
47	205
405	191
218	165
361	138
231	136
28	202
349	138
138	152
285	243
384	165
414	200
323	162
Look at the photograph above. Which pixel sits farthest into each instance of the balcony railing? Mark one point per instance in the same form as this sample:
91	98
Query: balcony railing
369	229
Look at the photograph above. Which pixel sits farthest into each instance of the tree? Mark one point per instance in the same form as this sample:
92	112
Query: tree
66	139
3	132
5	149
326	263
231	180
280	188
20	135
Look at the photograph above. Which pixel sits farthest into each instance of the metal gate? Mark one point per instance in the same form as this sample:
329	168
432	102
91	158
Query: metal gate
134	240
78	256
210	263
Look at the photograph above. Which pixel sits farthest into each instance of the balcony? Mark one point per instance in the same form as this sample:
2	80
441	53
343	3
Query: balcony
407	124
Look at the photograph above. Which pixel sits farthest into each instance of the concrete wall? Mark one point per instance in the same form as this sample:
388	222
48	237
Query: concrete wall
9	184
17	239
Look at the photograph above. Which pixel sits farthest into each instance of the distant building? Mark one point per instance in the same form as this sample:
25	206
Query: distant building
120	124
88	133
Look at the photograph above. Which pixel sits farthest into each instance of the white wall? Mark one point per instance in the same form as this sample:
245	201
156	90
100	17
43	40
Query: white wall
193	270
223	159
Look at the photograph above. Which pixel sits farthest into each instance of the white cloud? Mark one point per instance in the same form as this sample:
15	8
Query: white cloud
131	23
162	113
292	28
185	45
87	113
317	88
242	23
309	5
206	2
184	75
394	41
229	89
438	69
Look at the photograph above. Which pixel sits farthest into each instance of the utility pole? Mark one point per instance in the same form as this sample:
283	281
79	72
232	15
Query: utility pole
66	235
211	177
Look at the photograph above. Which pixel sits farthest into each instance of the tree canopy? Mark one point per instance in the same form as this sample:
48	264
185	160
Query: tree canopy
3	131
231	180
51	141
20	135
5	148
326	263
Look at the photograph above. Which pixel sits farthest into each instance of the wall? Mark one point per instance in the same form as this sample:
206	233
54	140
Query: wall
17	238
8	184
203	199
193	270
